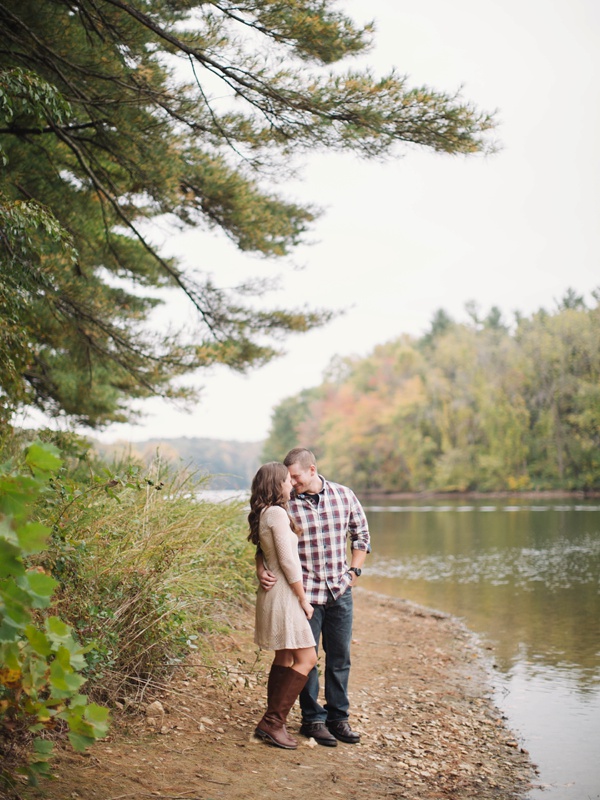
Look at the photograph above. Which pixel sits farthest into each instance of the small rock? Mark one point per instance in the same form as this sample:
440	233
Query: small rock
155	709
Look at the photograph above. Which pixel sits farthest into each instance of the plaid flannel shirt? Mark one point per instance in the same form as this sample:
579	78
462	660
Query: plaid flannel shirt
322	545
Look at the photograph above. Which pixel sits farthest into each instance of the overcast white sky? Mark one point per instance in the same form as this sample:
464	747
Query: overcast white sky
399	240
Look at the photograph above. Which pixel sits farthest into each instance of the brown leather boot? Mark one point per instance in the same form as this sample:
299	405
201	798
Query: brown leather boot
283	687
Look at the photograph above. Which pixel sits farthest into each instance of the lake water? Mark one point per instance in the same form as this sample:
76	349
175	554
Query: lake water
525	577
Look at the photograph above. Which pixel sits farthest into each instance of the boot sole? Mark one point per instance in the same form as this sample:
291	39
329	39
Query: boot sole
325	742
344	739
266	737
347	741
322	742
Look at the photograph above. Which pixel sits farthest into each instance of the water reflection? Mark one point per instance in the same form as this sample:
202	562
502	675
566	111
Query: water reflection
525	577
561	723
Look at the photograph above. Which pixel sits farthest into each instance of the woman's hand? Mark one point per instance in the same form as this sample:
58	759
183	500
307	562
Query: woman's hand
307	608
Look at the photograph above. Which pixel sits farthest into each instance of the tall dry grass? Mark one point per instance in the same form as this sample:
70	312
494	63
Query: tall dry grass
147	570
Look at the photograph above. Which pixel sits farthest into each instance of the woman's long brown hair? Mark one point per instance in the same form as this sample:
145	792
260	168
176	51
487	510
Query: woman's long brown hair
265	492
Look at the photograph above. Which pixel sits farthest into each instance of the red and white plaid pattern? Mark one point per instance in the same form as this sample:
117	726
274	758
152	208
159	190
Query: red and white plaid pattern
325	531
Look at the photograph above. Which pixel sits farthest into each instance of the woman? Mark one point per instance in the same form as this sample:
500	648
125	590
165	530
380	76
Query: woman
283	612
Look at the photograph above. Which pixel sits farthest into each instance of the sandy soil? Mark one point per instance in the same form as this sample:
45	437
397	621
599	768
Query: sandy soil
420	698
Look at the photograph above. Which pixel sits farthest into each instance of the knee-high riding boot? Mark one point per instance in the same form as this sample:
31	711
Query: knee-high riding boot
283	687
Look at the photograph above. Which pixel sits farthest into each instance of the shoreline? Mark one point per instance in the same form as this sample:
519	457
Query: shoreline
420	693
542	494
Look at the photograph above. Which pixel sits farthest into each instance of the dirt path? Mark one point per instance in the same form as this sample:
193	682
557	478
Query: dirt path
419	698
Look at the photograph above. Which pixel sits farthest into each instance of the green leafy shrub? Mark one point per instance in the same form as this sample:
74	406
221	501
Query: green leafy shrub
140	567
41	661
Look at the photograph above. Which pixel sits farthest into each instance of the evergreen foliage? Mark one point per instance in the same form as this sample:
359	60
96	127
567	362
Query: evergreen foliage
116	117
472	406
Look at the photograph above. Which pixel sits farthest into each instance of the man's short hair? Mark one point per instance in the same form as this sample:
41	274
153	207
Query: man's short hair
301	456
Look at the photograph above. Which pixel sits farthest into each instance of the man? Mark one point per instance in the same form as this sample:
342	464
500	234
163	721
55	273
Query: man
327	513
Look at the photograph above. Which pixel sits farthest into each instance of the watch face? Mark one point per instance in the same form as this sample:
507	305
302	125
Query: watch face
356	571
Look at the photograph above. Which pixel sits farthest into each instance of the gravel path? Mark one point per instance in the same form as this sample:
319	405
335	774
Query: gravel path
420	698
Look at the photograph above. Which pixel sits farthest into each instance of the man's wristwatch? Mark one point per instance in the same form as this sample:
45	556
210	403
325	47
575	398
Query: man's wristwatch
356	570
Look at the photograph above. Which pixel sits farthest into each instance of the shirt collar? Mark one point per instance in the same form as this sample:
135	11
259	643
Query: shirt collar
310	495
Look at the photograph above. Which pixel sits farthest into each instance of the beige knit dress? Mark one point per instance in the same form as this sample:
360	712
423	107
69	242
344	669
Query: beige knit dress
280	621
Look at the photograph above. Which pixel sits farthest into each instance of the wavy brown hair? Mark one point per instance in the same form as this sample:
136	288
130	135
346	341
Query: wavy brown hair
267	491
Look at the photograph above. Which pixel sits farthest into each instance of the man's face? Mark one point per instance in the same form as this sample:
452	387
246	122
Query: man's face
302	478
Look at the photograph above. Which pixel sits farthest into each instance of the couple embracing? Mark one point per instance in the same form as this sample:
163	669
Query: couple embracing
300	523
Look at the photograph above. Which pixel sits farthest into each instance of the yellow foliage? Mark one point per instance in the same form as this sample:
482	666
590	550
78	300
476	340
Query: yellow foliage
9	677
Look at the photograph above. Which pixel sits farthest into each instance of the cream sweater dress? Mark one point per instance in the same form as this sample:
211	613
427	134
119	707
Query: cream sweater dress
281	623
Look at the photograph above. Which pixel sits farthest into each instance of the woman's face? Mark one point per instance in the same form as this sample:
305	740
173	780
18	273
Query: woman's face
286	487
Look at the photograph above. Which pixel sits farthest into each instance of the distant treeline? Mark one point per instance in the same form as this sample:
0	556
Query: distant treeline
230	465
480	406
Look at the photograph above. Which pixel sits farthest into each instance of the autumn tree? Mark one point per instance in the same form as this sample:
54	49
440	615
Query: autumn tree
289	417
562	378
470	406
116	116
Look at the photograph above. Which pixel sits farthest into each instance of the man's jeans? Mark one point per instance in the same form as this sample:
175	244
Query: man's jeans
333	623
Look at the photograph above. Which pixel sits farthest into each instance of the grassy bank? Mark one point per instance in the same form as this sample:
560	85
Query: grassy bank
144	572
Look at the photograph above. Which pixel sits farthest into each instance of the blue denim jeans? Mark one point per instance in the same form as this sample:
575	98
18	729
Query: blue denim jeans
332	623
